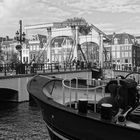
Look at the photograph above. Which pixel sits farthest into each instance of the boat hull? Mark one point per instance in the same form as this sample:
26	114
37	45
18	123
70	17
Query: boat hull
71	125
68	124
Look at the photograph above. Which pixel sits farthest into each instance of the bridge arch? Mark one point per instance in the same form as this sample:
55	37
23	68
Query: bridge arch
61	38
90	50
7	94
62	48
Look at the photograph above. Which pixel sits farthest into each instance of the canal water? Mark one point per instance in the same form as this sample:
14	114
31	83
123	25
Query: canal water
21	121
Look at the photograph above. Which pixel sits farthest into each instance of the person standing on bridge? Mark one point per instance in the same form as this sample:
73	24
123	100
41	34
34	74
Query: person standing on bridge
74	62
32	66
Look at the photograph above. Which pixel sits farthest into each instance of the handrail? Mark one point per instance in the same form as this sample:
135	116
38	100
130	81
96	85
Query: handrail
76	88
91	88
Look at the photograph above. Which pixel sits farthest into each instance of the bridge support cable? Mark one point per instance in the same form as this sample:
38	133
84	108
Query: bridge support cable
101	49
70	57
100	32
62	44
40	53
80	49
71	54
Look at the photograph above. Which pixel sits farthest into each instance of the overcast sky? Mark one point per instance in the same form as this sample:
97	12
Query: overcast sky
108	15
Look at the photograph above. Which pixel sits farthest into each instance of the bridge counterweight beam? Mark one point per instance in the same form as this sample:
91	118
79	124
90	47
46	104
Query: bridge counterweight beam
101	50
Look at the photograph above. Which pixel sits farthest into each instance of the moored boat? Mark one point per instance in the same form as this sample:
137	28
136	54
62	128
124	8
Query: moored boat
76	109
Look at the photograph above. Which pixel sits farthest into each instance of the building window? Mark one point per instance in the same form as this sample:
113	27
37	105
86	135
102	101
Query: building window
118	48
113	54
31	47
126	41
118	54
115	40
130	54
126	54
113	48
24	52
27	52
122	54
133	40
56	44
126	60
31	56
34	47
24	59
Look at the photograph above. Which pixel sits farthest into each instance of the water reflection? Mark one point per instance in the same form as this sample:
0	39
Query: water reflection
21	121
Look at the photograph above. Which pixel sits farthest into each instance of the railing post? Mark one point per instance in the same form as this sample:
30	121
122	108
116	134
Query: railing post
70	66
63	91
5	70
76	94
43	67
51	67
103	91
87	88
70	92
58	66
95	101
64	66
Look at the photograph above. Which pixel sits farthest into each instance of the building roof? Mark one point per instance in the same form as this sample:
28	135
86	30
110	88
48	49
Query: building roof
8	42
121	38
137	37
5	39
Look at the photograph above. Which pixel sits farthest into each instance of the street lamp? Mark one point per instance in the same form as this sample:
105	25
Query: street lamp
20	37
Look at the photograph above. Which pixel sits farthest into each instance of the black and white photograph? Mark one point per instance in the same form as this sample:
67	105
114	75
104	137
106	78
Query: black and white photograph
69	70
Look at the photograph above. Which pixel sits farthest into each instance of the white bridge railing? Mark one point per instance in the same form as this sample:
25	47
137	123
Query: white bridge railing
92	91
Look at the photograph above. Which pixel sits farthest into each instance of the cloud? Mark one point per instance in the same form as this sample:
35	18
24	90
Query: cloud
114	6
106	27
30	8
42	11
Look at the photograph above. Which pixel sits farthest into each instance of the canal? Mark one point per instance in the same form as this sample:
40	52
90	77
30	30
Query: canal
21	121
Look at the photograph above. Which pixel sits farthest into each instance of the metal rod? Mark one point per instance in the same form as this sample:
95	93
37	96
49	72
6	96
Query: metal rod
95	101
76	94
87	88
70	92
63	91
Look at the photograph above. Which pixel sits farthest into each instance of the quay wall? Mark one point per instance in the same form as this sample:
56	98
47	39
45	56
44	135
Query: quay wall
128	74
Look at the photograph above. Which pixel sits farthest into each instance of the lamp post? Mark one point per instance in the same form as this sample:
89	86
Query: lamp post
20	37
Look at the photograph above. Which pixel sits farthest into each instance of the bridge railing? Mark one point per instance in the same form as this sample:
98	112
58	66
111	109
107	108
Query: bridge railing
21	68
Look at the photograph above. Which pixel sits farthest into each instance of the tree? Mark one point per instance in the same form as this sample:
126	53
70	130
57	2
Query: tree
85	30
83	25
1	56
14	58
76	20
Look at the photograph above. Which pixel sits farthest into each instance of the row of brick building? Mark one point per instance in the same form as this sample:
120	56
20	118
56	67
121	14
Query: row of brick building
122	52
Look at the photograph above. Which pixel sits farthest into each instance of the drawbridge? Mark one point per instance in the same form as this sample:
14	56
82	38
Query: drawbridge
64	42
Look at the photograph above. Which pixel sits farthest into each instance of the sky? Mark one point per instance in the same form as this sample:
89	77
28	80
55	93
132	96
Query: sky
108	15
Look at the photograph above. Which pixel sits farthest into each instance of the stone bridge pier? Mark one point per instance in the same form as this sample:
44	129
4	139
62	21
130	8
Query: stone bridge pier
14	89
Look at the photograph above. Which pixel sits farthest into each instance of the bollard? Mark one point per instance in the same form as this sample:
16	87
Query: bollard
82	106
106	111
